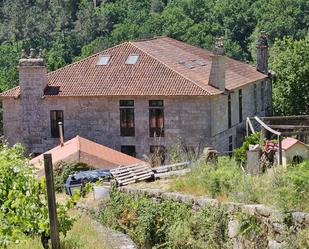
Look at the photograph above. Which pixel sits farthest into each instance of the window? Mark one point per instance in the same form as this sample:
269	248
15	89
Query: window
157	155
230	145
240	105
229	111
262	96
55	117
255	99
103	60
129	150
132	59
127	123
156	118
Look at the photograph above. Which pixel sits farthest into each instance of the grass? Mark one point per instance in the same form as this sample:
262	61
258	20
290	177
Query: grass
283	188
82	236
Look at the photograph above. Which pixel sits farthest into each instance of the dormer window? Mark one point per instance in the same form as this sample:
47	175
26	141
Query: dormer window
132	59
103	60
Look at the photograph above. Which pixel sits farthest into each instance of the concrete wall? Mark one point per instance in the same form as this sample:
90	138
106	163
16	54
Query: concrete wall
98	119
219	113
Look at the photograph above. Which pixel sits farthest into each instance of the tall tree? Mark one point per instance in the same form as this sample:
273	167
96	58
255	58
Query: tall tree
290	62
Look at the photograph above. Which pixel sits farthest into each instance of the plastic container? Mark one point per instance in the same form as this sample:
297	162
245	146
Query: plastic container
100	192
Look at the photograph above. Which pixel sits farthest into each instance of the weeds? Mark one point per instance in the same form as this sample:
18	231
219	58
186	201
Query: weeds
283	188
166	224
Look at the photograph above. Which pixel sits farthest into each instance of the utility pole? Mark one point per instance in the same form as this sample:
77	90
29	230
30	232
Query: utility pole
52	209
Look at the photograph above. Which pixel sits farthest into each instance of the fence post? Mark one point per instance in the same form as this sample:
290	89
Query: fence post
52	209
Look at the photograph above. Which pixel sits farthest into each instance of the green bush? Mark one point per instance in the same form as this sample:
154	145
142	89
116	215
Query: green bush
165	224
285	188
240	154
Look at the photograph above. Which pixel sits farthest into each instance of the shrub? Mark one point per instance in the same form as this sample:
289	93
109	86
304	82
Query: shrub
240	154
165	224
23	200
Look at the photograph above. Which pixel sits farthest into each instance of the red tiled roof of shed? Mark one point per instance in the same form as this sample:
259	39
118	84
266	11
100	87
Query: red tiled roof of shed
86	151
160	71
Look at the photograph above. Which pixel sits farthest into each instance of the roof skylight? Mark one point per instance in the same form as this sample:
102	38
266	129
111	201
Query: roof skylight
103	60
132	59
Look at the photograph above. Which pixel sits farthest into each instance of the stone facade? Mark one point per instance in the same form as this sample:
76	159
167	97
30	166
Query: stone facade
195	121
198	121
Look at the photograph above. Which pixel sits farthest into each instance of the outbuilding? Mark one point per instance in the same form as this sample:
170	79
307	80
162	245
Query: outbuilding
294	151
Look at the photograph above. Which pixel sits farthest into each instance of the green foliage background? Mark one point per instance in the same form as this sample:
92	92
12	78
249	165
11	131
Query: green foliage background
69	30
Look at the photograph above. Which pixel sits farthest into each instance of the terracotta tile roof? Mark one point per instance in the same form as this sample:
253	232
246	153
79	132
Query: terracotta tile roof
86	151
289	142
163	69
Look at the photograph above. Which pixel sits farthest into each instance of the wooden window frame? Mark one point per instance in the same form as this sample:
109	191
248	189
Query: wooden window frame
240	109
229	111
255	98
262	96
56	116
156	114
127	114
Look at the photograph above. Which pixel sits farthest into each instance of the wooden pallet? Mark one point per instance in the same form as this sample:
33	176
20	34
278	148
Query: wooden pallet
125	175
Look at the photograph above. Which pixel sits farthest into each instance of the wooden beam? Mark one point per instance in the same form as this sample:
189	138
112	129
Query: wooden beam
298	117
289	127
280	149
291	133
51	199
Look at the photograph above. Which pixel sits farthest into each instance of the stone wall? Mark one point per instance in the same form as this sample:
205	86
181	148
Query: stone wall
195	121
278	224
219	113
98	119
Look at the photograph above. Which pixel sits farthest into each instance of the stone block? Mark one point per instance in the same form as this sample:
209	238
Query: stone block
272	244
233	228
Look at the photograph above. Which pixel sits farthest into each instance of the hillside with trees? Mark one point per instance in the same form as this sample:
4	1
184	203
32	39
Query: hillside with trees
69	30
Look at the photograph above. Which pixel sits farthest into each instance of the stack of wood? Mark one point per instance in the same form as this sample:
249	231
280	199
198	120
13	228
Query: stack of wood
125	175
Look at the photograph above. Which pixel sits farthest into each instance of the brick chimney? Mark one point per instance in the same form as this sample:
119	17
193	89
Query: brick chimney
32	82
262	54
32	74
217	71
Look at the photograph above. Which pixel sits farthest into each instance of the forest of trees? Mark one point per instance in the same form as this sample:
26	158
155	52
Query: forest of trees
69	30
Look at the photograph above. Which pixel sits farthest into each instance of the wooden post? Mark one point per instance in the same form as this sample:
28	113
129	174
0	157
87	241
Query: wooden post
52	209
280	149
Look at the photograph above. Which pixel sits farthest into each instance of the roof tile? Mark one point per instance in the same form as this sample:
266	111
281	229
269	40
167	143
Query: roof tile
157	72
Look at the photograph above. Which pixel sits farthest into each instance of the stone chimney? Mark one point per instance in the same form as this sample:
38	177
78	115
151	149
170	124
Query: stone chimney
217	71
262	54
32	74
32	82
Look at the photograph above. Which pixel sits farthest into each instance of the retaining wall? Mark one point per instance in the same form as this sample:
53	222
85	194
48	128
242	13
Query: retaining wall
279	225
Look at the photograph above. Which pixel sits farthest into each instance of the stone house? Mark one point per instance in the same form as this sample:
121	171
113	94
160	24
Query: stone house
139	97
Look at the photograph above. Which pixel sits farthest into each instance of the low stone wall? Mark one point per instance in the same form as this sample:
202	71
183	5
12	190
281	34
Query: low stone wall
278	223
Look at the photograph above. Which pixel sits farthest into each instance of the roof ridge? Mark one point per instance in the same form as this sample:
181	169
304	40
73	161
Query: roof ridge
88	57
195	83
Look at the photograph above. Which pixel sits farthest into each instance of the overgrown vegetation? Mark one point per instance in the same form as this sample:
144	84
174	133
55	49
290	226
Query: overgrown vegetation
165	224
283	188
23	204
83	235
240	154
